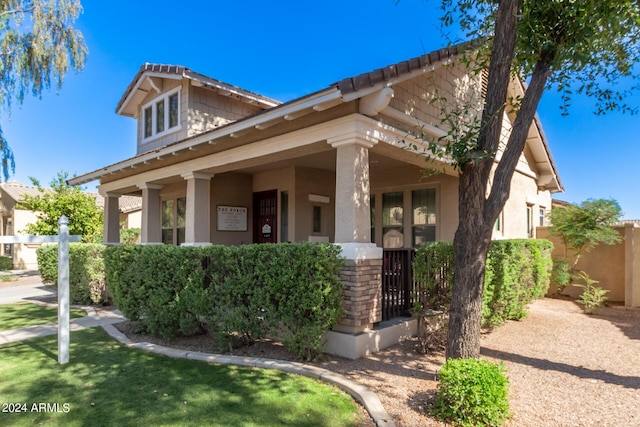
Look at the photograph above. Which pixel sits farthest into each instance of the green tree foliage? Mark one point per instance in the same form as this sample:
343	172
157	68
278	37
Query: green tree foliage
582	227
577	46
38	45
85	217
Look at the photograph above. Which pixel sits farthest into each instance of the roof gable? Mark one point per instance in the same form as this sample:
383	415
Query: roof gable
149	78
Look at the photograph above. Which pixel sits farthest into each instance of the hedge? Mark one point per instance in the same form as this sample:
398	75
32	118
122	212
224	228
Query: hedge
87	283
517	272
290	292
6	263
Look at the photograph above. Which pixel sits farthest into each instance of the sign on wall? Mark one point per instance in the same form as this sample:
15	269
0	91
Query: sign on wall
232	218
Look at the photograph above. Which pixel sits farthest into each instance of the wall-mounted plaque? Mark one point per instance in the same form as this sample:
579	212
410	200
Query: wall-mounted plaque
232	218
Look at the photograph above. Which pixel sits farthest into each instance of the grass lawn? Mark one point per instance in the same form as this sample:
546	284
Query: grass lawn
20	315
106	384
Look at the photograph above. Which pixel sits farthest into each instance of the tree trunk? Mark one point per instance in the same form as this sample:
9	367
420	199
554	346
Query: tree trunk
471	245
473	236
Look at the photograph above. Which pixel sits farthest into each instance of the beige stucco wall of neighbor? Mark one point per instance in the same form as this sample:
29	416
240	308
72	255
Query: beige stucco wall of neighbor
616	267
131	219
24	255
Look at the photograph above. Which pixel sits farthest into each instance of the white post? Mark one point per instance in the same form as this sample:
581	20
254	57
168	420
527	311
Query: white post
63	290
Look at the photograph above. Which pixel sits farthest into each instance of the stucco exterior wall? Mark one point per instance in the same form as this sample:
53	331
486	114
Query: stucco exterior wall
604	263
320	183
131	219
524	194
231	189
24	255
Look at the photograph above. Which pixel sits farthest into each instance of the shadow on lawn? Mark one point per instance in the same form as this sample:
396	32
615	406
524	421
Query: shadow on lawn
106	384
578	371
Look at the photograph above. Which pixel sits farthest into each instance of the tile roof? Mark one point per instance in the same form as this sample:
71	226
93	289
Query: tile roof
390	72
178	70
17	190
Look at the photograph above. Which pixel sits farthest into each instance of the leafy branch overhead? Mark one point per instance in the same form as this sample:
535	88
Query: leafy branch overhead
38	46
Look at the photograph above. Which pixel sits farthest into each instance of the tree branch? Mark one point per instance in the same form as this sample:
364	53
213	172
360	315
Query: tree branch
501	185
16	11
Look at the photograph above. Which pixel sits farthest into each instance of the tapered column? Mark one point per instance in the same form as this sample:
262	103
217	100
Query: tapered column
151	216
111	233
353	217
361	275
198	214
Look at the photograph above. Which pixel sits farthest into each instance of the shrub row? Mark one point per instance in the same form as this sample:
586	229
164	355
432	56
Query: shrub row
87	284
6	263
518	271
290	292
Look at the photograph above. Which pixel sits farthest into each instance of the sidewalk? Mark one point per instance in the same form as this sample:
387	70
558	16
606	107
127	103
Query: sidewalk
91	321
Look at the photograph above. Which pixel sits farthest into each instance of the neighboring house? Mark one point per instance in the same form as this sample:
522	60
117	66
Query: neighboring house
219	164
14	220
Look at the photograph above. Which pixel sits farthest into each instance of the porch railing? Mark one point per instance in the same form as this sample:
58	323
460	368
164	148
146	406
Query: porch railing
397	282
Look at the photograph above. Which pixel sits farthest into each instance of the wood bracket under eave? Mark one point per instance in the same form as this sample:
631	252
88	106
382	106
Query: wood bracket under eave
155	83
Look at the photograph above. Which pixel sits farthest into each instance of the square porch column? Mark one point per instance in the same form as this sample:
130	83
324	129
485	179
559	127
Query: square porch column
362	273
151	231
111	232
198	214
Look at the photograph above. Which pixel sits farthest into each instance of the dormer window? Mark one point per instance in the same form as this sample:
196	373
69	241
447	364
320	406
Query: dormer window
161	115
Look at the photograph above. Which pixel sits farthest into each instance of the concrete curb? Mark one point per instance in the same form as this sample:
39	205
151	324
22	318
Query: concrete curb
361	393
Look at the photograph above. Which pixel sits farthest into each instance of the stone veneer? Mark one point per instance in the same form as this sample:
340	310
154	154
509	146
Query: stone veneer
362	279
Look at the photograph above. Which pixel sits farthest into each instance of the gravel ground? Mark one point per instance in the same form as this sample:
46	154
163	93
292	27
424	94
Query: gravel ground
565	368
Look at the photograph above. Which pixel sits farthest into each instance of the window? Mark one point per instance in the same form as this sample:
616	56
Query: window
392	220
423	208
317	219
372	205
174	220
284	216
160	113
542	215
529	220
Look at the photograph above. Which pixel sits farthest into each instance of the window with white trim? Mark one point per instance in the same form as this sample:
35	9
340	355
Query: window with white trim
423	206
162	115
174	221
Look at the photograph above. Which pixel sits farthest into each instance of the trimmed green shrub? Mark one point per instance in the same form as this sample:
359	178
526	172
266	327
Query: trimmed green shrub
517	272
87	284
472	392
47	256
5	263
290	292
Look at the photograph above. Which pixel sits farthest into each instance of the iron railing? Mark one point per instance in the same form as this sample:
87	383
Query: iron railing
397	282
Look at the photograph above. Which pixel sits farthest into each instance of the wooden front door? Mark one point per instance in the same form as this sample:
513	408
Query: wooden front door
265	216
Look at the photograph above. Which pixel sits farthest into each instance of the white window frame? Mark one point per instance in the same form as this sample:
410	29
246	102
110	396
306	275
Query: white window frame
154	115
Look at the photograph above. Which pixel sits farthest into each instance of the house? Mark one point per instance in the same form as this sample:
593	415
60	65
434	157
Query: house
219	164
14	219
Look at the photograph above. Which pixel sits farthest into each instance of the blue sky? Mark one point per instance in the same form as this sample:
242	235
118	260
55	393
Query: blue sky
284	50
